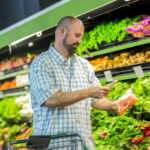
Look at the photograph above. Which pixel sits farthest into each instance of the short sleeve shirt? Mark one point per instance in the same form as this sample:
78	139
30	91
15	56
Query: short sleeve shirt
49	73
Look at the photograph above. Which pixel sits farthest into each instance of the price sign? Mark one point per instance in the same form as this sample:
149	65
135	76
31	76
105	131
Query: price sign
26	88
1	94
25	67
1	75
138	71
108	75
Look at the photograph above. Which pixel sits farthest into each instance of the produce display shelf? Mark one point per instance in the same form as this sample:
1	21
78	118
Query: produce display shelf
125	77
14	92
119	47
13	72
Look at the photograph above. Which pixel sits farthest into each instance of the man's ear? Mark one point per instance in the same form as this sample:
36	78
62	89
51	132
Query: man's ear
63	31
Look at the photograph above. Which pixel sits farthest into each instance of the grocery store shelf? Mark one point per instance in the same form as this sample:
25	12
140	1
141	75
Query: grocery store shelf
13	72
125	77
14	92
86	11
119	47
110	6
126	72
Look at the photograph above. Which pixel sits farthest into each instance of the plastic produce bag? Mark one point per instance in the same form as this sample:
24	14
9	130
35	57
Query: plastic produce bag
126	101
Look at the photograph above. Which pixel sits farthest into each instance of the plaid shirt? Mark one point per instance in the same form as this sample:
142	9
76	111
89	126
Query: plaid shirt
49	73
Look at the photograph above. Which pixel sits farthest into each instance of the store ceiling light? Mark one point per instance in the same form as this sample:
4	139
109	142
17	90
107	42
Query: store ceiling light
30	44
38	34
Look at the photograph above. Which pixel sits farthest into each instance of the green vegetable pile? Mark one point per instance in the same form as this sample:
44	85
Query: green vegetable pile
11	123
11	132
141	88
114	132
9	110
115	28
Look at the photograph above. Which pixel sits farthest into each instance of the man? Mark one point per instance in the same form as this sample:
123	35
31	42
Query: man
64	87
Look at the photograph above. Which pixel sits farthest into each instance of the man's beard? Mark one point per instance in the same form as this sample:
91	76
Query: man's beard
69	47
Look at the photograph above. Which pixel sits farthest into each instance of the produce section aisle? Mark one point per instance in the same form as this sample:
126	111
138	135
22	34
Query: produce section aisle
117	45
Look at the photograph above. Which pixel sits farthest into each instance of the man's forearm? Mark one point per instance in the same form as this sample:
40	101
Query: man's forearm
104	104
61	99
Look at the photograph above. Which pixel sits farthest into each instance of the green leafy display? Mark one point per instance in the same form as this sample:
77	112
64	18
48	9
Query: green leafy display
141	88
120	129
107	31
9	110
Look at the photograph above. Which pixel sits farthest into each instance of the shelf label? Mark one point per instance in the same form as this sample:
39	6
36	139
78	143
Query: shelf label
138	71
108	75
26	88
25	67
1	75
1	94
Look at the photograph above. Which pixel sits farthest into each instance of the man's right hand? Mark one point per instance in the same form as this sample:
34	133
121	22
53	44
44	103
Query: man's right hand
98	91
62	99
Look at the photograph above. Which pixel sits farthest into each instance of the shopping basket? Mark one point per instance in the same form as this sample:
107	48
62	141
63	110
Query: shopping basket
69	141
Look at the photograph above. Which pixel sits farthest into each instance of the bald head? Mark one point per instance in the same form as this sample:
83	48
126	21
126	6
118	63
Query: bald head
68	35
66	22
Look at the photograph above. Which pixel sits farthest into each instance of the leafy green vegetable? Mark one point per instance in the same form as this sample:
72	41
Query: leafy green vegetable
9	110
120	129
107	31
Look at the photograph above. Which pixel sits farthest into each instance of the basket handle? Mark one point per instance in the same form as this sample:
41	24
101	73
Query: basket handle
15	142
67	135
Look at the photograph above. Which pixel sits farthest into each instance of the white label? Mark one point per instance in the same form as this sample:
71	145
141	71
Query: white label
26	88
25	67
1	94
1	75
138	71
108	75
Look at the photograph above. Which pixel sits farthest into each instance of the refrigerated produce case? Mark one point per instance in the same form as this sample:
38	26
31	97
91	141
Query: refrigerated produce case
36	34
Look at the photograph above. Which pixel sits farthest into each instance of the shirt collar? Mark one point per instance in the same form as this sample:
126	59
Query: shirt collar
57	56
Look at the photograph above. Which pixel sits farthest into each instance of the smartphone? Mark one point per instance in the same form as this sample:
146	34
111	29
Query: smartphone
110	85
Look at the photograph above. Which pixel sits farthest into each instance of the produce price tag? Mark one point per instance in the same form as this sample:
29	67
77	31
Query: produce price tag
1	75
25	67
138	71
108	75
1	94
26	88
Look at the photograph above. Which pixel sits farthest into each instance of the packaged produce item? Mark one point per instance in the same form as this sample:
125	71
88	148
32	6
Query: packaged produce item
140	29
146	17
126	101
136	30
